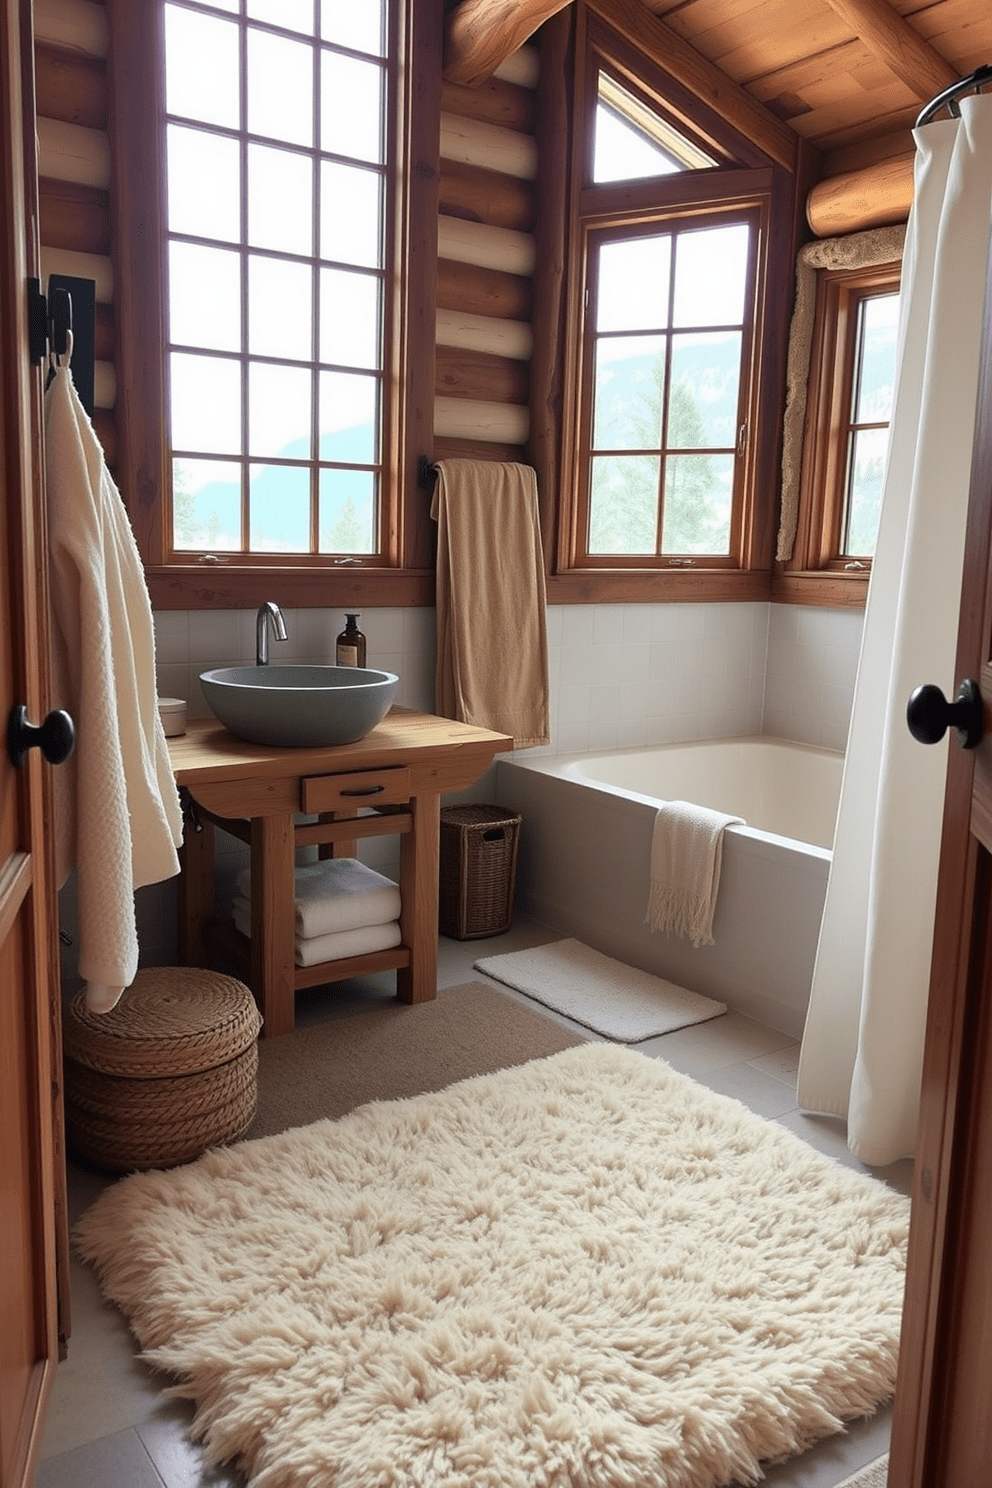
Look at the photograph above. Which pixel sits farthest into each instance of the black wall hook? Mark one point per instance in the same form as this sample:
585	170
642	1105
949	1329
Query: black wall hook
69	306
426	474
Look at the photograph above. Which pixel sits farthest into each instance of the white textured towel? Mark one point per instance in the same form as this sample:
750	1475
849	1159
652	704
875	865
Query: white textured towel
337	894
312	950
686	851
117	814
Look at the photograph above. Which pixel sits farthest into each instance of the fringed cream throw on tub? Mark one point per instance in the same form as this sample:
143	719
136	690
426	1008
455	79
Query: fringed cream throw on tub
492	643
686	852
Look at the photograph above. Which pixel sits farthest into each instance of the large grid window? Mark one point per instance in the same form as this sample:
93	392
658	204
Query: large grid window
277	164
668	332
678	223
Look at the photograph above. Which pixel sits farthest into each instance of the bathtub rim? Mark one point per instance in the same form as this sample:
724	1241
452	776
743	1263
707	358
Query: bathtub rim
564	767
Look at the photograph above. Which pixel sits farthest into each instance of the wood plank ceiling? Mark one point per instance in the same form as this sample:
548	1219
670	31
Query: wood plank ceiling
849	77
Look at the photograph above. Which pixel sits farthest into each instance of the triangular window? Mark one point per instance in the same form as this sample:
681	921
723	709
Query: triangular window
632	141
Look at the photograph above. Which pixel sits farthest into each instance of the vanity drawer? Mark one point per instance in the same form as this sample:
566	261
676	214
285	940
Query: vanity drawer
357	788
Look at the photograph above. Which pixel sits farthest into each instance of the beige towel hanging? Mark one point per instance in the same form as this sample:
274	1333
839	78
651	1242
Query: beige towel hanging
492	643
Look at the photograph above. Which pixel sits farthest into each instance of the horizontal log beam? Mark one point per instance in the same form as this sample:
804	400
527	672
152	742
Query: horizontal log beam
878	196
635	23
489	247
482	291
73	216
494	102
466	418
70	87
95	266
76	25
475	374
477	449
506	338
490	146
903	50
522	67
480	34
486	196
69	152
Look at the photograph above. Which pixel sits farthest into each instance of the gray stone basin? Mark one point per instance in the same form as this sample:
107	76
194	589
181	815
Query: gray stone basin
302	706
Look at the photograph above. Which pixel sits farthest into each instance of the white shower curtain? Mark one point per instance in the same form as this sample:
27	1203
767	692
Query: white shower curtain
863	1043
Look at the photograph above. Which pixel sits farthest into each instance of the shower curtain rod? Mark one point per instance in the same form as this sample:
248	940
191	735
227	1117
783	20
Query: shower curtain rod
949	97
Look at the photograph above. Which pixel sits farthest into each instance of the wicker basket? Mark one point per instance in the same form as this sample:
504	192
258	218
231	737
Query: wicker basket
167	1073
478	870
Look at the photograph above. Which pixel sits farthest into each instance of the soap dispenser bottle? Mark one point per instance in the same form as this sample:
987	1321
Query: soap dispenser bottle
349	648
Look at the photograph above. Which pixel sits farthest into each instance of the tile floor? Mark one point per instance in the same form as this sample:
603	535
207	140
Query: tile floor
109	1426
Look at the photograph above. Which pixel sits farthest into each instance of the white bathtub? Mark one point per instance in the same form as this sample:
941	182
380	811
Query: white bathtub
585	851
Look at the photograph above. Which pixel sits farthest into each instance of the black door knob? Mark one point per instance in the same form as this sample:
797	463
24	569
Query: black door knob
56	737
929	714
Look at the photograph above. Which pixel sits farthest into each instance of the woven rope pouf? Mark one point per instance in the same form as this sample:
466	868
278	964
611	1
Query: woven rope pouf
167	1073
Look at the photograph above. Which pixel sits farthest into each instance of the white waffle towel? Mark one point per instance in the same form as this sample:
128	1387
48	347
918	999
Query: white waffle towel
686	851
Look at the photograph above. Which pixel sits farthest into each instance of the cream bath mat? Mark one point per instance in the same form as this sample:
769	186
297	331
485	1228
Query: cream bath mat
584	1270
618	1001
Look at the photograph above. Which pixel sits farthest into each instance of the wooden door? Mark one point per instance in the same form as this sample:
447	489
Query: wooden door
942	1425
29	1180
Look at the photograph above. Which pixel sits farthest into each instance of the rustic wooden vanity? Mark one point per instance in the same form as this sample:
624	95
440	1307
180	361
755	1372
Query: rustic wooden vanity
389	783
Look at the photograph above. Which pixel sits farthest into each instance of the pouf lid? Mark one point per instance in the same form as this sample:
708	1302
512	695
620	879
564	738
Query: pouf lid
171	1020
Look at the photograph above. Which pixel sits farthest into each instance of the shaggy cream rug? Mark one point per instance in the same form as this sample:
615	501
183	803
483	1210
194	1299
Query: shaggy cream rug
587	1270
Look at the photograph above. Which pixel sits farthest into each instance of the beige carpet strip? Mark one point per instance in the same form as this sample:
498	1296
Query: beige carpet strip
395	1051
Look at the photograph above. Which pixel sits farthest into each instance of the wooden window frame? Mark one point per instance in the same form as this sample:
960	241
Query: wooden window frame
818	573
403	575
746	182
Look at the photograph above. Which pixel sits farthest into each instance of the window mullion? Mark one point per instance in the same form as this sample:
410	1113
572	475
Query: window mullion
315	302
243	163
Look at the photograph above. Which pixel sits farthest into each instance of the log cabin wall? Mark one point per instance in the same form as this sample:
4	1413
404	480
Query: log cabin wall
74	172
486	256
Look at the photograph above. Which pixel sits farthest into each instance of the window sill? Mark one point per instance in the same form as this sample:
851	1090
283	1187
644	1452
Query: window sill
660	586
219	586
815	587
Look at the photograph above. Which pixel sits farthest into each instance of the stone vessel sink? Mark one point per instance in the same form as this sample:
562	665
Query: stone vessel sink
299	706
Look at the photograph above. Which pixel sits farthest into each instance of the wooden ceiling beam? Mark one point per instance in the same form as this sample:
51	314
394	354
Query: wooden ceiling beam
878	196
480	34
884	31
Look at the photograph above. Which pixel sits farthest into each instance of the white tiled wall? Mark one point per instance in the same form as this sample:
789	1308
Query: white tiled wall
621	676
810	672
188	642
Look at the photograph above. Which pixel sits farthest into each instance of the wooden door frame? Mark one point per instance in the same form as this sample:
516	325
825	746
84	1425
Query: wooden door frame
956	1101
31	882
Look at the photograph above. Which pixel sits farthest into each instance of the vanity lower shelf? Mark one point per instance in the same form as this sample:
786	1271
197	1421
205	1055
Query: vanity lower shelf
226	939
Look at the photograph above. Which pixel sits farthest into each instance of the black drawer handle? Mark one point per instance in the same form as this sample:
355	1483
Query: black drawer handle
364	790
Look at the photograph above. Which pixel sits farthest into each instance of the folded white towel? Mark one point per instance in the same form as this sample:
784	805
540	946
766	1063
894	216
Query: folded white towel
686	852
312	950
338	894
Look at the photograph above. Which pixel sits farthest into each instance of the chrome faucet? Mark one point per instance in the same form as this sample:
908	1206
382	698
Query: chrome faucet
267	612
